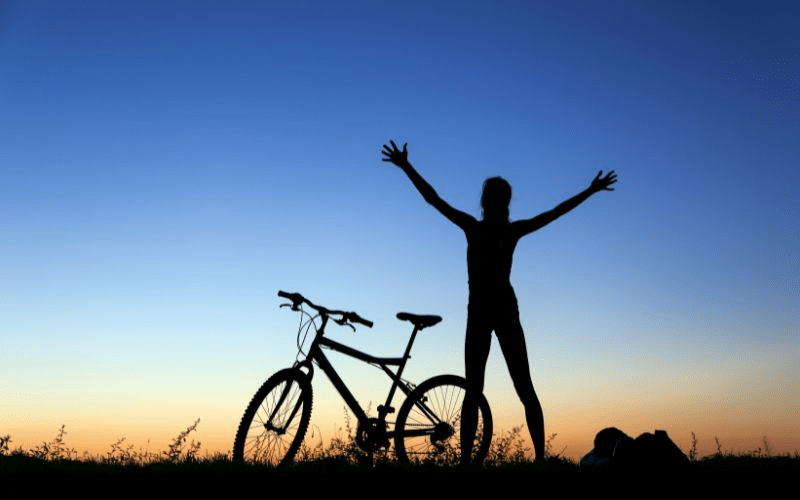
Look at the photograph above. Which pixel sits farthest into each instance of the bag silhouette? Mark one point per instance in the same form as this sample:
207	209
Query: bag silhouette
615	448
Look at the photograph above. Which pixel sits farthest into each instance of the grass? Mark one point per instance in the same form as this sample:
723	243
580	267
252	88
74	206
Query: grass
180	451
182	466
507	448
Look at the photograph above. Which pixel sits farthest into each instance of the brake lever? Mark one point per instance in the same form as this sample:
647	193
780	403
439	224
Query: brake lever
344	322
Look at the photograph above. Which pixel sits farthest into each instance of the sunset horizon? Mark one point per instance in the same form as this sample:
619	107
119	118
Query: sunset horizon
167	167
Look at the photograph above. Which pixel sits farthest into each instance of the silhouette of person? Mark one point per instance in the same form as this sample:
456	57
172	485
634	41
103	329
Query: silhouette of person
492	302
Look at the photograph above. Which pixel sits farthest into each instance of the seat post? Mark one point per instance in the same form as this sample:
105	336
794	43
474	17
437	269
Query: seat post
407	354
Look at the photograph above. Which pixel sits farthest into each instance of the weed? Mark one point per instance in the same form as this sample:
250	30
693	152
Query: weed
760	452
306	453
508	447
55	449
342	447
548	448
765	452
123	455
176	448
4	442
693	449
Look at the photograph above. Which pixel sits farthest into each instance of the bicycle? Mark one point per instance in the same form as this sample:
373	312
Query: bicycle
427	427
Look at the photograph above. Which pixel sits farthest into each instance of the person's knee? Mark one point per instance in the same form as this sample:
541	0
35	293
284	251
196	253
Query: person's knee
474	388
475	371
527	395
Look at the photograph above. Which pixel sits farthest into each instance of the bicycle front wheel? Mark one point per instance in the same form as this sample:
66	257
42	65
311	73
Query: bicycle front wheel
275	422
428	427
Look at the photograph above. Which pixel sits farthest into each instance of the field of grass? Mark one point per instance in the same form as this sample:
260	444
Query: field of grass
340	467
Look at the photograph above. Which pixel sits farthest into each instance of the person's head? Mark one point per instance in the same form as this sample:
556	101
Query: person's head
495	199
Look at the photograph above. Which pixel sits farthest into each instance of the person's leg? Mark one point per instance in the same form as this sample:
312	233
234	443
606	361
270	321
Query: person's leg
476	352
512	342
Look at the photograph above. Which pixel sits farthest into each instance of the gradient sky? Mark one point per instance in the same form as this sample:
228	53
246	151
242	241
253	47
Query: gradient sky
167	167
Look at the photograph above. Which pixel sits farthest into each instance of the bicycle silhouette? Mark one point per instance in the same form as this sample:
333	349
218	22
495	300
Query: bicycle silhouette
428	422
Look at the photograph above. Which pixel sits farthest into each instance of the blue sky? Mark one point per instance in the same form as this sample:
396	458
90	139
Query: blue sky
167	167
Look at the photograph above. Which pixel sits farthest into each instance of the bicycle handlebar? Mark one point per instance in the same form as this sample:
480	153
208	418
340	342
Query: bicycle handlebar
346	317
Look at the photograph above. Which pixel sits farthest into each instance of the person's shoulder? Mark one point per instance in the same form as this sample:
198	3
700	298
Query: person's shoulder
518	228
467	222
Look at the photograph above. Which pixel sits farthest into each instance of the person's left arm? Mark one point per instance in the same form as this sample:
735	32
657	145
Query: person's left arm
599	183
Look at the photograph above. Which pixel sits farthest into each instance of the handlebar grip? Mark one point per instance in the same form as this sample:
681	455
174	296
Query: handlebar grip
358	319
296	298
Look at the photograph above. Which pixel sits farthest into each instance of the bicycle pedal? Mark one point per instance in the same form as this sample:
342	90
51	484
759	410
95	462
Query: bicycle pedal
389	409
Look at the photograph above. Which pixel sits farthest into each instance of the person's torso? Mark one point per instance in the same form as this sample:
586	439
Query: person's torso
490	249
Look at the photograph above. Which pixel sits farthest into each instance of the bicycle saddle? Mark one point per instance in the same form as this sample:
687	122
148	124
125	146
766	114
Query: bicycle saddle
420	321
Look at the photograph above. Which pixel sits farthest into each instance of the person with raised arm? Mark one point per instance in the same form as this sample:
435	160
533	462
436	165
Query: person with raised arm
492	302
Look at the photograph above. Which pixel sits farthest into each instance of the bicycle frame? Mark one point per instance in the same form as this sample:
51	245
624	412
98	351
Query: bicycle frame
316	355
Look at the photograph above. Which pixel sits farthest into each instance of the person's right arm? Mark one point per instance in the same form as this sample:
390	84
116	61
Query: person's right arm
400	158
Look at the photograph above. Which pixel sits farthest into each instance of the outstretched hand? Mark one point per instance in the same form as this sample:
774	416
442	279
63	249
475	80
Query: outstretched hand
394	155
602	183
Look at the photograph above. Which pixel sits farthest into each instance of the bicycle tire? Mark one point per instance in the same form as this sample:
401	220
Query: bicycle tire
286	398
428	423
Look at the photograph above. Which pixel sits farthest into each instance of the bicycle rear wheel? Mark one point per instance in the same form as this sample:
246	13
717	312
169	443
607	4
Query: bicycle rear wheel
428	427
275	422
